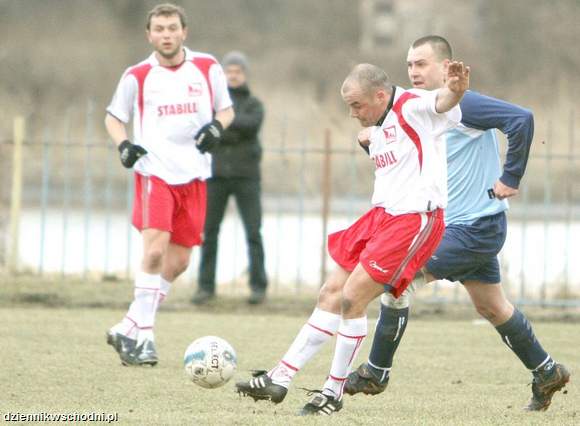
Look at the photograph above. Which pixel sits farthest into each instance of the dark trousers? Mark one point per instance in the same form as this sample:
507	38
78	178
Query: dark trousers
246	192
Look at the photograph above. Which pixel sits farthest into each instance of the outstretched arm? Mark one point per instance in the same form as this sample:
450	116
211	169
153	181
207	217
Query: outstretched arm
517	123
457	82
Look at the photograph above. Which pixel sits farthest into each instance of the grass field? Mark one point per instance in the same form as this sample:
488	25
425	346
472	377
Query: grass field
448	372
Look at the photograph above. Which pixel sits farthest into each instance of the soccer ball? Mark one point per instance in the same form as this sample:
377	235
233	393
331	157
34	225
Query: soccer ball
210	362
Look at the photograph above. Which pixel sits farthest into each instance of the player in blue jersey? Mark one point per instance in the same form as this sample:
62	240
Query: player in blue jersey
475	230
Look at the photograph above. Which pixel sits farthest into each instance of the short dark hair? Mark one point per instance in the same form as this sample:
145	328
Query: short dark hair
167	9
440	46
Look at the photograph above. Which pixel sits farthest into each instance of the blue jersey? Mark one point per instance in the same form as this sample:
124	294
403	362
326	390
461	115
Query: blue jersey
473	161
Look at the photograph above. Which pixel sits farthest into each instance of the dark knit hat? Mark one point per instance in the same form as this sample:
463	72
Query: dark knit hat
235	57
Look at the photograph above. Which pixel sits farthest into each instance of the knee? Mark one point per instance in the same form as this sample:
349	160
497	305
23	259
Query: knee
329	295
252	229
404	300
484	310
153	257
348	306
494	312
351	305
254	236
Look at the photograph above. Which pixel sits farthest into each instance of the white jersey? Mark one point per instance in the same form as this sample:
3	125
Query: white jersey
168	106
409	154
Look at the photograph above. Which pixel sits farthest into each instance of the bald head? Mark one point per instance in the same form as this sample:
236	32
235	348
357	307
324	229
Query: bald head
367	90
369	78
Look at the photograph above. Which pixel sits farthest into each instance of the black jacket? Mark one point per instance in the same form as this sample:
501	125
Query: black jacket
239	152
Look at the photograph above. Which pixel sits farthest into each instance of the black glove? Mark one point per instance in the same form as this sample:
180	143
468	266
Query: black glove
130	153
208	136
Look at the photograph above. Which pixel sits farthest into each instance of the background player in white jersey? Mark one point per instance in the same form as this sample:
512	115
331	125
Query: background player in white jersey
179	103
475	229
388	244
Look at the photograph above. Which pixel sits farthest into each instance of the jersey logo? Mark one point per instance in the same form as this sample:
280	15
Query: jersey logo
390	134
194	90
385	159
177	109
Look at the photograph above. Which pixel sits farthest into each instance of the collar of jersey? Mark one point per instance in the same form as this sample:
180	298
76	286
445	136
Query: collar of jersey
188	56
389	106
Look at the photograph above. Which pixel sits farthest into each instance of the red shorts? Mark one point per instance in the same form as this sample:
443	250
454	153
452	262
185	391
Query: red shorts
390	248
178	209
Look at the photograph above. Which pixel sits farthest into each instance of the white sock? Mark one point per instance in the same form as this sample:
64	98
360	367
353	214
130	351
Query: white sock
349	338
146	333
144	306
163	290
127	327
321	326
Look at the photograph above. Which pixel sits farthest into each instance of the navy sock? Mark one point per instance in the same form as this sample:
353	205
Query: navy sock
388	334
518	335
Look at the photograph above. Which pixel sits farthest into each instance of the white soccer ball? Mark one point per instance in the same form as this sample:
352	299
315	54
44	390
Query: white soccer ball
210	362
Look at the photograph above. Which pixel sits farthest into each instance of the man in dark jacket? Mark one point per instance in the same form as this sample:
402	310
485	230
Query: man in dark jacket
236	171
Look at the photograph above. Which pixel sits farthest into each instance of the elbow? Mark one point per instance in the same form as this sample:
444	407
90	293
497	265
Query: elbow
530	118
527	122
527	118
522	124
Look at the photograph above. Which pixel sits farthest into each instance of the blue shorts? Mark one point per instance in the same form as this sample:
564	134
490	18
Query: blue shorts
469	252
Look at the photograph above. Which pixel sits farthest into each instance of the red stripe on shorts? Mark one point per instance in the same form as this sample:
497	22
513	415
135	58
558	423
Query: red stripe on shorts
145	182
421	238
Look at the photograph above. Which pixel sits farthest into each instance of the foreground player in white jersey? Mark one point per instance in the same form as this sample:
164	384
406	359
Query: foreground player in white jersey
388	244
179	103
475	231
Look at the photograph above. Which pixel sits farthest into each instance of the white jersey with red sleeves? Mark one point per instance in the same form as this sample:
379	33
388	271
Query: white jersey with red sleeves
409	154
168	106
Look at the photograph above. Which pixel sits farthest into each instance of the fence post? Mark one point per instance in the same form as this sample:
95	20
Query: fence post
46	155
326	192
16	196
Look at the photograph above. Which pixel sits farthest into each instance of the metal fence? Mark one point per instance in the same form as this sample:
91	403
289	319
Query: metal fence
68	212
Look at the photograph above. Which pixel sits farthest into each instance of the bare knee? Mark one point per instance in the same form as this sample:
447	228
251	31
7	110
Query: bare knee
153	257
352	306
347	306
329	297
495	313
